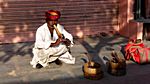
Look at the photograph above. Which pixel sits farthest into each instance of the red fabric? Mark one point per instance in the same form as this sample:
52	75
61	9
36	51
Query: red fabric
52	14
137	51
129	45
147	53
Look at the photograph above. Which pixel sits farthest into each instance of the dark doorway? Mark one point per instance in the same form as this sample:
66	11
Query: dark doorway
146	31
141	12
139	9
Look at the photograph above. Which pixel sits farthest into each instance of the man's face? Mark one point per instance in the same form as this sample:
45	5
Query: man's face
51	23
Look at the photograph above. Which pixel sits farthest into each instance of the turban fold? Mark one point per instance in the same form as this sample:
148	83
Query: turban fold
52	15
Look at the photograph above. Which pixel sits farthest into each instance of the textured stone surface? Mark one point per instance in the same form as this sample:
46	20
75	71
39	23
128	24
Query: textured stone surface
15	68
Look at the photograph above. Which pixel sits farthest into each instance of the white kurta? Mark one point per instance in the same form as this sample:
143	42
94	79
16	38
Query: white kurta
48	54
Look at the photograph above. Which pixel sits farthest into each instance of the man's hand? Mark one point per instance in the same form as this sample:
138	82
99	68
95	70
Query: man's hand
58	41
66	41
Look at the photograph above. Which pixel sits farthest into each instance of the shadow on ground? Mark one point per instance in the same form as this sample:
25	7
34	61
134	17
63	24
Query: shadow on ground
69	74
17	49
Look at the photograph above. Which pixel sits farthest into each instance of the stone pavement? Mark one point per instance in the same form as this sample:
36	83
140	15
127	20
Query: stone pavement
15	67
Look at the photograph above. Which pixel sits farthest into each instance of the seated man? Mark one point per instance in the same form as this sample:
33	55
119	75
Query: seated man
52	42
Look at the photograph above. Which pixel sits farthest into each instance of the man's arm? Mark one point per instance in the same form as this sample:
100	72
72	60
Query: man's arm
68	38
58	41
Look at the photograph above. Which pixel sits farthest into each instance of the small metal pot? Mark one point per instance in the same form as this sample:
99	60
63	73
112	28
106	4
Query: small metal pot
116	68
92	70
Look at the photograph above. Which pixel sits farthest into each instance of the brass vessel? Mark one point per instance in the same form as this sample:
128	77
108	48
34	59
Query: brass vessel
116	66
92	70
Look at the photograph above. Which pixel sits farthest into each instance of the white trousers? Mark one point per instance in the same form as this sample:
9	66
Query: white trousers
44	56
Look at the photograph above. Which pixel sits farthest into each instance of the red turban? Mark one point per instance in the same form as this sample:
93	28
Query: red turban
52	15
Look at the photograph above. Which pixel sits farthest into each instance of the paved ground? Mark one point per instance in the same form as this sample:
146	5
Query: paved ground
15	68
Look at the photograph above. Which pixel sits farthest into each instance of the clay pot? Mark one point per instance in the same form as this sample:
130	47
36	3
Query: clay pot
117	69
92	70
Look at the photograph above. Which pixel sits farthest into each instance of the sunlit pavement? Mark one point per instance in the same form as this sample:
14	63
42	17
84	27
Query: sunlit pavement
15	67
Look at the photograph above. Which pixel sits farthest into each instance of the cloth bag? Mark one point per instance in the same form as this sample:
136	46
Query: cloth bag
137	51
